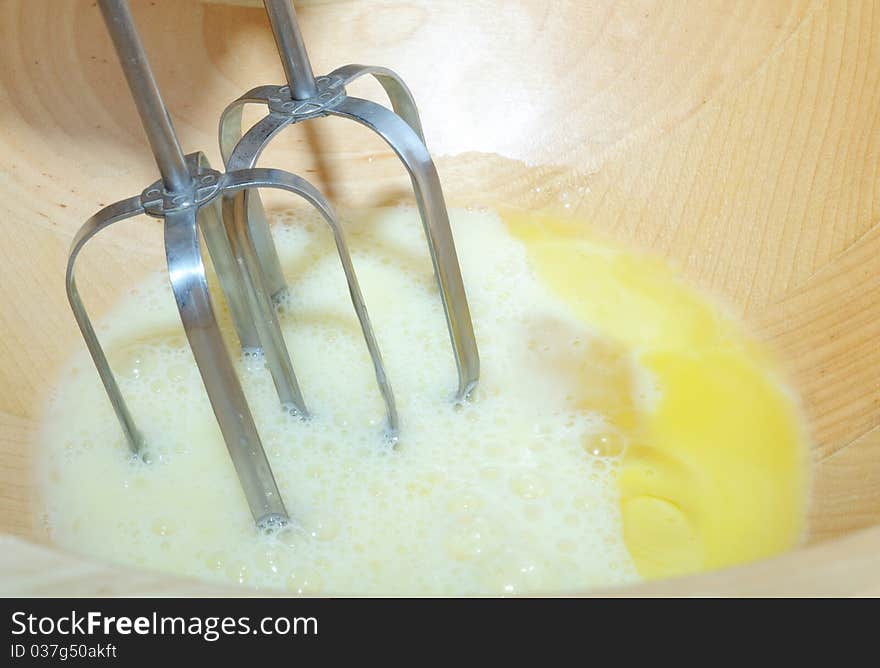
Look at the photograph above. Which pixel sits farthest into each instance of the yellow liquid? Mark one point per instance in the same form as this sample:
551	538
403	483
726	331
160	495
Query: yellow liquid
623	428
718	472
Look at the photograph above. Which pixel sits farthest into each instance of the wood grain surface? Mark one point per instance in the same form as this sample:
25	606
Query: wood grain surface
739	138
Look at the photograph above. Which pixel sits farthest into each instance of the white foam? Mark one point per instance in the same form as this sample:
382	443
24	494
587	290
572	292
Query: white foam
499	496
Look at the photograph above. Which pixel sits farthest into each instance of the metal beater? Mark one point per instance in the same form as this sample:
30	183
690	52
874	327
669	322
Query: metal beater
306	97
191	197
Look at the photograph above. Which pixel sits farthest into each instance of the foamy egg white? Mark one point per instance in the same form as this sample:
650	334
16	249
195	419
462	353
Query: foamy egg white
513	492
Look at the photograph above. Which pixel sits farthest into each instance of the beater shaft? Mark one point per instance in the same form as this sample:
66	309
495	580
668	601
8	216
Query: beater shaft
151	109
295	58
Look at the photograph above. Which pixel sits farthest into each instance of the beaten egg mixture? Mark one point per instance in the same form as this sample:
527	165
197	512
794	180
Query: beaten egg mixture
623	428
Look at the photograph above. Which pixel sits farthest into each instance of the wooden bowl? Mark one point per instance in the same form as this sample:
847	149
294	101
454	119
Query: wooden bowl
738	137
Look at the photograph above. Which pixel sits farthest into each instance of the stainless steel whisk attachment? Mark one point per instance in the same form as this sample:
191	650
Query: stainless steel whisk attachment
192	199
305	97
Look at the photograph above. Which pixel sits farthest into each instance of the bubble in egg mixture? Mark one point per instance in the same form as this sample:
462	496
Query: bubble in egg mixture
511	492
